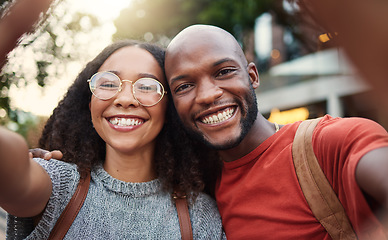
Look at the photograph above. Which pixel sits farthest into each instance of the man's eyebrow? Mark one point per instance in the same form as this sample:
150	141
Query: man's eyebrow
172	80
222	61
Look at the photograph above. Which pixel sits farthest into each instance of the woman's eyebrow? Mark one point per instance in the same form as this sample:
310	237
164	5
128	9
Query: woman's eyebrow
147	75
114	71
140	75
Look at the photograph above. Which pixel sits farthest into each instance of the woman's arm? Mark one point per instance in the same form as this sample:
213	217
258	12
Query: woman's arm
25	187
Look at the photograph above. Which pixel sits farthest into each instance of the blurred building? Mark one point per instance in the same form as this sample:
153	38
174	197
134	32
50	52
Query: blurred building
297	84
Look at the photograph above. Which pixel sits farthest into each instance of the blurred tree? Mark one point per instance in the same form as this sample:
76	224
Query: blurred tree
26	124
43	54
238	18
155	20
4	4
160	20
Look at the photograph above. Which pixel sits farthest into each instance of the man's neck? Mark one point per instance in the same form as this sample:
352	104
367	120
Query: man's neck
260	131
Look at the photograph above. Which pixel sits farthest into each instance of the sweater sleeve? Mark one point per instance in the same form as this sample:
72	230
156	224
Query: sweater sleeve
206	220
64	178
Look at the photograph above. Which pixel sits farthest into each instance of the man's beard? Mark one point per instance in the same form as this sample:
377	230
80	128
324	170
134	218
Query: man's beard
246	125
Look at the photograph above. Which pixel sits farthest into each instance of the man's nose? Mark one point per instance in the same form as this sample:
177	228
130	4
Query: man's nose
207	91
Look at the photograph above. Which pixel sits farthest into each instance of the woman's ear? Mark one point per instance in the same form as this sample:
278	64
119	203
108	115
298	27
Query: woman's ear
253	75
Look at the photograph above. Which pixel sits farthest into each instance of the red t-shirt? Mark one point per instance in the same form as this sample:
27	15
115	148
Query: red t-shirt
259	196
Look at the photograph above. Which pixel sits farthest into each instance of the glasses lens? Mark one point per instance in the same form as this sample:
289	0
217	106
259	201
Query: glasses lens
148	91
104	85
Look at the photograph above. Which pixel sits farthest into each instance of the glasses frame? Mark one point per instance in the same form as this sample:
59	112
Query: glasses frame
164	92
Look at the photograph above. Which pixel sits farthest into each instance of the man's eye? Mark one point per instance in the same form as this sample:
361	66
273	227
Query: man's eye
225	71
182	88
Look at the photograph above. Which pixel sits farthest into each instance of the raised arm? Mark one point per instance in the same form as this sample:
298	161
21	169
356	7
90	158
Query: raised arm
372	177
20	19
25	186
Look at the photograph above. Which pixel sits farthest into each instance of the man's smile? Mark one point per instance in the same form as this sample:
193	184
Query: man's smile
219	116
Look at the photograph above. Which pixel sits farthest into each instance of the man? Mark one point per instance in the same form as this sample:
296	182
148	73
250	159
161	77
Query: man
258	194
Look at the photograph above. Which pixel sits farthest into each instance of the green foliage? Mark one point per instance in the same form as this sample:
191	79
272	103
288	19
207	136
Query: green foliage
165	18
42	72
229	14
26	124
4	86
3	5
42	55
161	18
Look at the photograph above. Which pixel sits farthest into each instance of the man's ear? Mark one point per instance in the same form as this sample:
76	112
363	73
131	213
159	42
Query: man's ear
253	75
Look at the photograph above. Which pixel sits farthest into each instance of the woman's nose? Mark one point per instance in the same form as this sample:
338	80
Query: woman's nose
125	97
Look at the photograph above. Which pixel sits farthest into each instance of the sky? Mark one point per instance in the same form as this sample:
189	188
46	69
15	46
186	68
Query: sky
42	101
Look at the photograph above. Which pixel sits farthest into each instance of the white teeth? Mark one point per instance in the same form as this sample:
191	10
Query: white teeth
220	117
114	121
124	122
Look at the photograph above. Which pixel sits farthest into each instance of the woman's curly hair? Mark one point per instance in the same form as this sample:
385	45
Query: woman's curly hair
180	162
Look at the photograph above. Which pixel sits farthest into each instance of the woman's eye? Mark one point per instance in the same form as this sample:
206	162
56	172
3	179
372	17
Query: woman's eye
108	84
226	71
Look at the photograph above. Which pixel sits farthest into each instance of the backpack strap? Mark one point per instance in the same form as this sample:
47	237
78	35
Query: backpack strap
71	210
317	190
183	215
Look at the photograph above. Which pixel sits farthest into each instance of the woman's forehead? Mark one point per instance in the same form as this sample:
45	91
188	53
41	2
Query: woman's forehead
132	59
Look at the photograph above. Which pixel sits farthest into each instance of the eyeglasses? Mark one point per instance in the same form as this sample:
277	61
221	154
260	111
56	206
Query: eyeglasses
147	91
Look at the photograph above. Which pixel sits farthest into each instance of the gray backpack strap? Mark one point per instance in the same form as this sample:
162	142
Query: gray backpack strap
317	190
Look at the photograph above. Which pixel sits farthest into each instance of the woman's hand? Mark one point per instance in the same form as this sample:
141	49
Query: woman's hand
47	155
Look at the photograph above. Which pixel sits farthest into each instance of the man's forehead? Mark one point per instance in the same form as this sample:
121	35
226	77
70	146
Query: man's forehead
201	46
202	41
186	41
194	50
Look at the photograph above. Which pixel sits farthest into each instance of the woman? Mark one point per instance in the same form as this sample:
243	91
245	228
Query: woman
112	121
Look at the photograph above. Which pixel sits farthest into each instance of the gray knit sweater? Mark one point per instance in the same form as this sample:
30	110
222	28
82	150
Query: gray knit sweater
114	209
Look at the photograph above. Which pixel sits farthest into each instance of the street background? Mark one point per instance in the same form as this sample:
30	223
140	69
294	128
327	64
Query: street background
307	62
